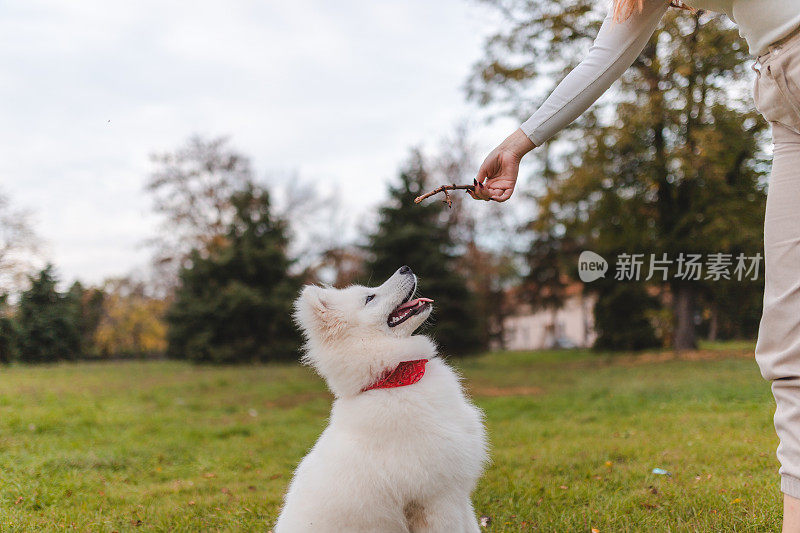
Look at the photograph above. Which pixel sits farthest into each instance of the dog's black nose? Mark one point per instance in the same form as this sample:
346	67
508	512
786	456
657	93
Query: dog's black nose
405	269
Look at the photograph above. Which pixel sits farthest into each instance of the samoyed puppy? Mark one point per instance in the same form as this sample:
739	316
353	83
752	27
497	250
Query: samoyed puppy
404	447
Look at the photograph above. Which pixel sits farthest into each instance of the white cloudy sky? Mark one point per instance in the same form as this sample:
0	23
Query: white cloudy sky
337	91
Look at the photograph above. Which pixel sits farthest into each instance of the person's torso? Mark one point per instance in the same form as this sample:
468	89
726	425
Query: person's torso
761	22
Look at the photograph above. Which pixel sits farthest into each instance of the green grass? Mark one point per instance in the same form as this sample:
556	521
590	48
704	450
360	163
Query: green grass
575	437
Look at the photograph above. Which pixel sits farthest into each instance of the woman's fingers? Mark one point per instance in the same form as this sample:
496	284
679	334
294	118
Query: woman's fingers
498	173
489	168
480	191
496	178
504	196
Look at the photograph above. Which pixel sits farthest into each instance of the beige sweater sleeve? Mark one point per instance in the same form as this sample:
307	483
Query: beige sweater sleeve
614	50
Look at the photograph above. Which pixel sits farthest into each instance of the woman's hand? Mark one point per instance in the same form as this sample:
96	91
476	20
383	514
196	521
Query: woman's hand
498	173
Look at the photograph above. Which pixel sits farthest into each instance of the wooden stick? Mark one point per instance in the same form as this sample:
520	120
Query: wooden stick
444	189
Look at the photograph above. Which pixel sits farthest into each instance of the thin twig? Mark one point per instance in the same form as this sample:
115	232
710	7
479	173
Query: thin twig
444	189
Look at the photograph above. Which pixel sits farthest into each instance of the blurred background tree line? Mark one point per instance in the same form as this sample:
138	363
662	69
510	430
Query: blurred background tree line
673	161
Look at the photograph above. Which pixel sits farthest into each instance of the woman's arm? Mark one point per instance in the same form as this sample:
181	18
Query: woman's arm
616	47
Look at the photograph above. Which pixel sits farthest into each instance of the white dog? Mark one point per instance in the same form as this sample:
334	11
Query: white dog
404	447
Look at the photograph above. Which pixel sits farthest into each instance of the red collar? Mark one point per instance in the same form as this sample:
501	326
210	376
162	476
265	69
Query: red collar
406	373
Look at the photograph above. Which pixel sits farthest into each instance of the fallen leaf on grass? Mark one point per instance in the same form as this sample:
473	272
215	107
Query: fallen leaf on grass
736	500
209	475
19	500
595	530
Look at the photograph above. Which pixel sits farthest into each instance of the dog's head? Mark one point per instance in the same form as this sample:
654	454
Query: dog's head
359	325
327	314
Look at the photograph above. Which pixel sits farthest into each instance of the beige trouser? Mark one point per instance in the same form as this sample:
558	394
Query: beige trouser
777	95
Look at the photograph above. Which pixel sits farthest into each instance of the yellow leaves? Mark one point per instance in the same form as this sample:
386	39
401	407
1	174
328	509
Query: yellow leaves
683	70
131	324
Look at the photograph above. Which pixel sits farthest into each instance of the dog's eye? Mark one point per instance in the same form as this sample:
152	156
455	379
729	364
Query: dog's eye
369	299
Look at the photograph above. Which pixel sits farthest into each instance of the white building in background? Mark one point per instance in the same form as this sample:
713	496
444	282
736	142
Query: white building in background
572	326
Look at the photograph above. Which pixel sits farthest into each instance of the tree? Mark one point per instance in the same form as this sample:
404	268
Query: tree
47	322
420	236
192	189
88	309
234	304
489	275
18	244
132	322
9	336
339	266
626	304
484	239
672	167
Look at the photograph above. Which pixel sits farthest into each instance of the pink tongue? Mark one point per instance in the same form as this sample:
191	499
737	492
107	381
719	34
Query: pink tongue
414	303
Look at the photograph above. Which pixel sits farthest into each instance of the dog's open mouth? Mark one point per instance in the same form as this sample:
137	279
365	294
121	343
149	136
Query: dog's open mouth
407	309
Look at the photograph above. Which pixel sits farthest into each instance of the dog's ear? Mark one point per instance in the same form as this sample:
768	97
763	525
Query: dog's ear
314	313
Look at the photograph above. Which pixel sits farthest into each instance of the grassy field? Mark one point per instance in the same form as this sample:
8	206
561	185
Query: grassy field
575	438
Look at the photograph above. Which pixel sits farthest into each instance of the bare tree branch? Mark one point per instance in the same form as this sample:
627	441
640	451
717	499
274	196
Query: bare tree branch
18	245
444	189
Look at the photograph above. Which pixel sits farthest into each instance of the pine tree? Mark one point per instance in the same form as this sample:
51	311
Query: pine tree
9	336
419	236
235	304
47	327
624	304
88	308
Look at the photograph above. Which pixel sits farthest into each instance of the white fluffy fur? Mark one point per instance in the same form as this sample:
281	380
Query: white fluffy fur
391	460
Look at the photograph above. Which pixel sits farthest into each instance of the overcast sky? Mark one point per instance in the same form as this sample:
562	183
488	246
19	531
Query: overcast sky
337	91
